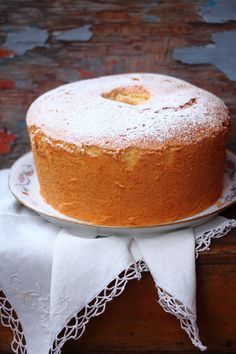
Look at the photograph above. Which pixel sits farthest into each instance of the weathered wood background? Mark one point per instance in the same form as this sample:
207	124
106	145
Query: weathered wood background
193	40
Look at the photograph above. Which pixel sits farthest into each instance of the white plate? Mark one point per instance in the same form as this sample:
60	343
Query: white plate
23	183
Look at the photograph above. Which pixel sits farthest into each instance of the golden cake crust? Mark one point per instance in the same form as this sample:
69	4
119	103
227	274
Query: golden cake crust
143	169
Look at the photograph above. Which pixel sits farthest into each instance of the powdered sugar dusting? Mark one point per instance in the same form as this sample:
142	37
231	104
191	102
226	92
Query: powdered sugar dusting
77	113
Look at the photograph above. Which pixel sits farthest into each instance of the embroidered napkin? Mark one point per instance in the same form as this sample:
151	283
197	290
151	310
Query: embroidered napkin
49	275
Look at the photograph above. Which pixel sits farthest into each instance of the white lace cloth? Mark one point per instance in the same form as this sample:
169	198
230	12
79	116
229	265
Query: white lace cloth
52	281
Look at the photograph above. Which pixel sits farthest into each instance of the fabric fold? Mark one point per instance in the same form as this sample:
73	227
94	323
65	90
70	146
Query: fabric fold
172	266
173	270
95	263
26	248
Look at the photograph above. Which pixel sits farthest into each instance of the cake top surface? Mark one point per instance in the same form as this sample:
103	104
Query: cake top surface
121	111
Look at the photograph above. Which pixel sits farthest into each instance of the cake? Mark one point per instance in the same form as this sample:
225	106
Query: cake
129	150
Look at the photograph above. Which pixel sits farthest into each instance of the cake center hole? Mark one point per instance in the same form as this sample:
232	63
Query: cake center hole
133	95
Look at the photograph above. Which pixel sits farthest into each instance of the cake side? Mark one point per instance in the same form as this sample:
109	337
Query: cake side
131	186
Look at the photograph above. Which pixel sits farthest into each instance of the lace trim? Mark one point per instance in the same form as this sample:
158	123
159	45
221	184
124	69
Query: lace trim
76	326
203	241
185	316
8	318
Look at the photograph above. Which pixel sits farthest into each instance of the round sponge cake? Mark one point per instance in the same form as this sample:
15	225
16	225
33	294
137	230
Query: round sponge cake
132	149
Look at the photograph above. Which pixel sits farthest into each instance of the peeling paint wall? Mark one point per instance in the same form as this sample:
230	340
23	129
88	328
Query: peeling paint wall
218	11
23	40
221	54
82	34
6	141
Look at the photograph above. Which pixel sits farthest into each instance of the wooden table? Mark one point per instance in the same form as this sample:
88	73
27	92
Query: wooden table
125	36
